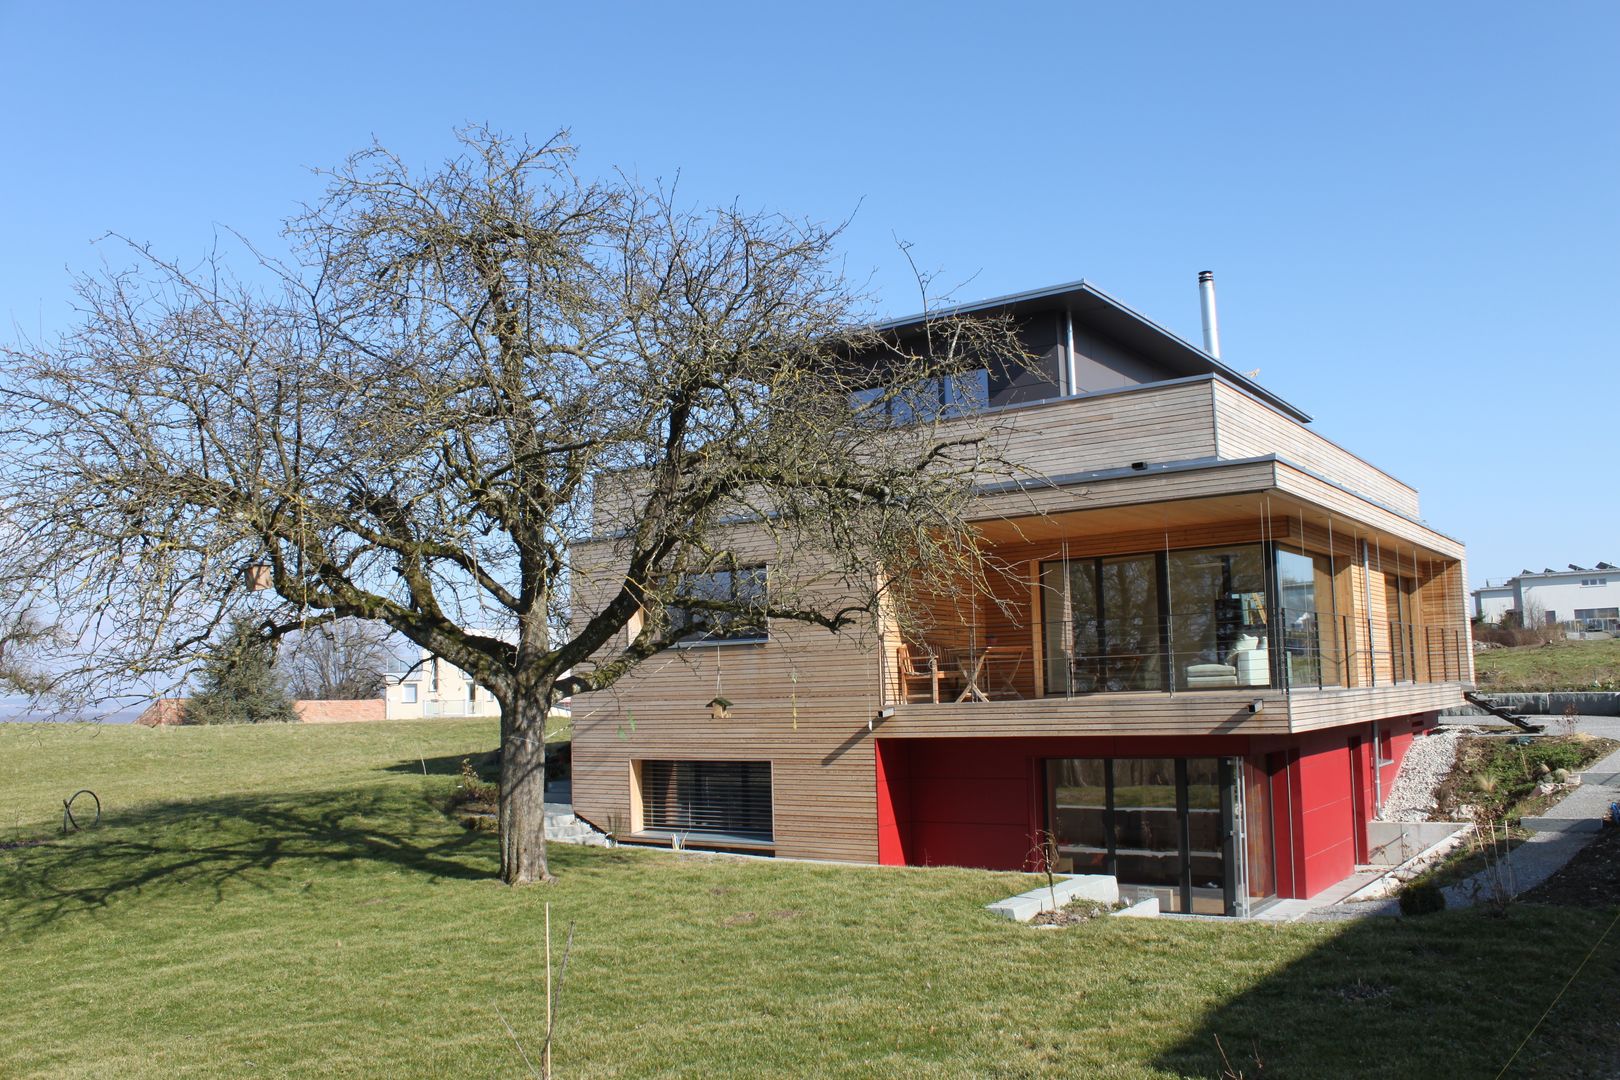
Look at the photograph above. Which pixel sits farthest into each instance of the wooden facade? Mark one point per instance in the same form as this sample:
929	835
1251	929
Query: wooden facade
1185	463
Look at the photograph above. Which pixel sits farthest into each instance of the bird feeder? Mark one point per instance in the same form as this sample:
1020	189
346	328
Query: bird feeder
720	709
258	576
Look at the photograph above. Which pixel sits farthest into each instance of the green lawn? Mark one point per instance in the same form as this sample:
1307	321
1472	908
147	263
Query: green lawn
292	902
1562	665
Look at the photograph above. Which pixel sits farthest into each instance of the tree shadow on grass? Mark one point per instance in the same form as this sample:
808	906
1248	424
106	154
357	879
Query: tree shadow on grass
258	842
1444	995
486	763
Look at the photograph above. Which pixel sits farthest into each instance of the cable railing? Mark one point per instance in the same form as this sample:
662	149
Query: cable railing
1297	649
1324	650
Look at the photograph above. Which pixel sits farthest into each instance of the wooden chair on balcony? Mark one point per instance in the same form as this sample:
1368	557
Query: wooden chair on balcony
920	671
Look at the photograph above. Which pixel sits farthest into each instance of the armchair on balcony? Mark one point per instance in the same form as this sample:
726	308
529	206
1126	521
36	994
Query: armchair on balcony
1248	664
920	670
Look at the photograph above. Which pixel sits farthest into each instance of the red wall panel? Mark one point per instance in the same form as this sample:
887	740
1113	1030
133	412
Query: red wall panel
979	802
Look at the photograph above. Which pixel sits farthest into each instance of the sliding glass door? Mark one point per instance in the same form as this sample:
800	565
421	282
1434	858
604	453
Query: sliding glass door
1162	826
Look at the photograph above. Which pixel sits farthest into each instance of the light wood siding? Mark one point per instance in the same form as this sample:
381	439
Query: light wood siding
1336	500
1311	710
1107	430
1251	428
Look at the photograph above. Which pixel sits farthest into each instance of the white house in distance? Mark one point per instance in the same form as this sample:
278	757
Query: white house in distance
1578	598
431	687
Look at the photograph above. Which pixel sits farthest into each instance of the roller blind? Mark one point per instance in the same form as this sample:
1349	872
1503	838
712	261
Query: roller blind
725	798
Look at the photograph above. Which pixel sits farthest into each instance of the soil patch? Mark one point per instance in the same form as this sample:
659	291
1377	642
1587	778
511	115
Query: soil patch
1074	913
1591	880
13	845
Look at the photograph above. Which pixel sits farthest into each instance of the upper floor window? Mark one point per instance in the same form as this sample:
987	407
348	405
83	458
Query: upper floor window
953	395
408	693
742	589
1594	581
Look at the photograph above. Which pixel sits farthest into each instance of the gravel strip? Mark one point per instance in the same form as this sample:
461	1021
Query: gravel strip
1428	761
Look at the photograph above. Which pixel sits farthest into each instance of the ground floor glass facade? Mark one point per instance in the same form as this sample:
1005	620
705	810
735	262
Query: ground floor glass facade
1193	832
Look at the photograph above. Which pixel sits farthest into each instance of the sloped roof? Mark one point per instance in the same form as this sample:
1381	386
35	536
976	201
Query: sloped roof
1094	308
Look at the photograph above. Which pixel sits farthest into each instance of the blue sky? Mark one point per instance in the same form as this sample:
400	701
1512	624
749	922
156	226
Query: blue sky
1411	209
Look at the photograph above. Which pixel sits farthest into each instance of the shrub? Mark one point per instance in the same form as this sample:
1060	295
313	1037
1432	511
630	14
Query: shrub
1422	896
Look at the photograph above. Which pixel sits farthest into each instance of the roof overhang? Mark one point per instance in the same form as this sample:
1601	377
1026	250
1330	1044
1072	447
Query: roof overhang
1092	307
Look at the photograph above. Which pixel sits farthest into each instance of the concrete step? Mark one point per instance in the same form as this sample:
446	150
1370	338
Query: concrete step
1563	824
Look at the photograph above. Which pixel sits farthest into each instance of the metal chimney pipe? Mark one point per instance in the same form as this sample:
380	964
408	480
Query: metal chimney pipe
1206	302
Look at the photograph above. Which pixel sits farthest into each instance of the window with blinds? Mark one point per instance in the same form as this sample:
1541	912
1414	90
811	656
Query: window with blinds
724	799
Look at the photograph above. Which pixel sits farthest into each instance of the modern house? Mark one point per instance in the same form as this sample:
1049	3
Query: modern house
1214	637
431	686
1578	598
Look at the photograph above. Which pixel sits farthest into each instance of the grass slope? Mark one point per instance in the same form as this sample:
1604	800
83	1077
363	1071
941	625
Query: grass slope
1562	665
293	902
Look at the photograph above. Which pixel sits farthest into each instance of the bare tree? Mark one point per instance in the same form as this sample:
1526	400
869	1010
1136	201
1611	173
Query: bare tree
337	661
411	423
23	635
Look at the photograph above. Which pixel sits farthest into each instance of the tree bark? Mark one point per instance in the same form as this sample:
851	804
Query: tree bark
523	791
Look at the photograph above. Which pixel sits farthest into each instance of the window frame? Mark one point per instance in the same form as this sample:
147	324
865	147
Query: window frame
719	637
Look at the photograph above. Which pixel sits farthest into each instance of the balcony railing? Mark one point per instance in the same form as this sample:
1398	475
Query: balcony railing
1186	652
1326	650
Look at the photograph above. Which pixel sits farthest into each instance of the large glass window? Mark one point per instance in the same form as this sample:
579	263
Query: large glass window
715	799
1309	632
1110	623
742	591
1103	624
1218	630
1162	826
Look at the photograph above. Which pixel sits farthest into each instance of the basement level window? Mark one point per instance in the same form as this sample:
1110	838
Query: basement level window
712	801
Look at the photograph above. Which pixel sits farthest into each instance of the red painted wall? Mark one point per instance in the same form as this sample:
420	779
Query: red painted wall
978	802
893	802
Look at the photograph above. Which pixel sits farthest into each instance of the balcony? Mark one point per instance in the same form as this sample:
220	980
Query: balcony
1309	650
1194	636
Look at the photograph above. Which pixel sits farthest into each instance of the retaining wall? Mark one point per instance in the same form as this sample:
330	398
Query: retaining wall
1551	703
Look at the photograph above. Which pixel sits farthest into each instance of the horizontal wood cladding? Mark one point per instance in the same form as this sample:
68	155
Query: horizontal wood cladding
1312	710
1351	507
1143	490
1173	422
1250	428
1148	713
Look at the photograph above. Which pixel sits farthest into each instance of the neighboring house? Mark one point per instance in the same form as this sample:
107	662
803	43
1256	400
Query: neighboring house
1491	602
167	712
435	687
1216	636
1577	598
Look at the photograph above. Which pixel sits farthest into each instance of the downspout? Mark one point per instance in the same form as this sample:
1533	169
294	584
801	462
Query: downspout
1377	771
1071	370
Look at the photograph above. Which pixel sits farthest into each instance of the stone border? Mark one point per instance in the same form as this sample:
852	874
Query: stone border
1103	888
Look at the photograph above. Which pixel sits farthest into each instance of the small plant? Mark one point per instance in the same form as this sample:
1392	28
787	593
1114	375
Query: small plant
1568	721
1422	896
475	800
1043	854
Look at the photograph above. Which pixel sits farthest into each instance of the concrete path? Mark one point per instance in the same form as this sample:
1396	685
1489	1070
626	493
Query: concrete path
1606	726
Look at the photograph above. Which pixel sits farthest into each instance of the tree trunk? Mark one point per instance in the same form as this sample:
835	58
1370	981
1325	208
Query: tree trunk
523	791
